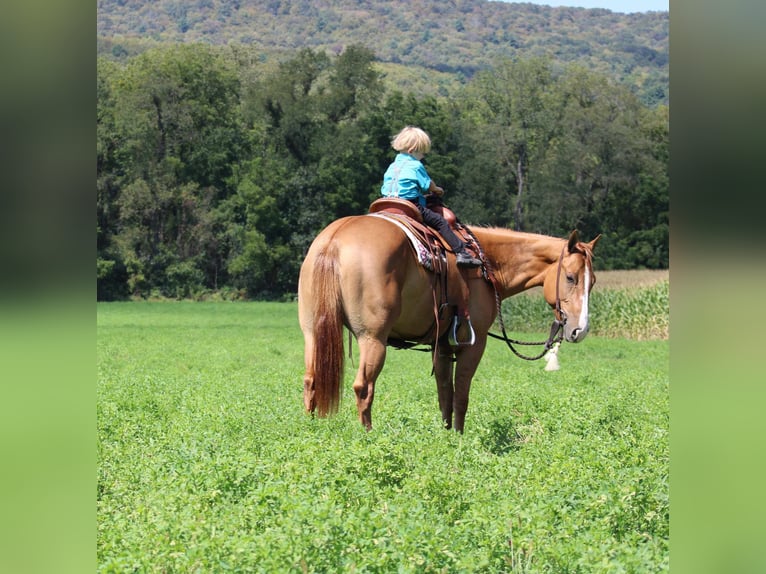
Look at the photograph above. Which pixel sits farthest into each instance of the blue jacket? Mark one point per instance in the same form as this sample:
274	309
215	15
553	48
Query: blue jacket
406	178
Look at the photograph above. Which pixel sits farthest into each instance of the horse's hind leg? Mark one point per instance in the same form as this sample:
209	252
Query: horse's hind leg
308	377
372	355
445	387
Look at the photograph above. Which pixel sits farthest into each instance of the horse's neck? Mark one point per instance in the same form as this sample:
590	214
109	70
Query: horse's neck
521	260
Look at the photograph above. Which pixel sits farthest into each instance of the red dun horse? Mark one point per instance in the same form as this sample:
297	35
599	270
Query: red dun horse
361	272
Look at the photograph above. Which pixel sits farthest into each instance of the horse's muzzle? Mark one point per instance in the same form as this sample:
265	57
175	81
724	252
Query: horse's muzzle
575	334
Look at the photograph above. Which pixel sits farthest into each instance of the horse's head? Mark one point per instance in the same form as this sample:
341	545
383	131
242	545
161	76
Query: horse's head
567	286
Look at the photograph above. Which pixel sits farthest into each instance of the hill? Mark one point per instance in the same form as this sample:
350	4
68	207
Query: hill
424	41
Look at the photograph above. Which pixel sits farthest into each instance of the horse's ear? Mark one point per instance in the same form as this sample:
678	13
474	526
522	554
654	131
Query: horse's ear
593	242
574	239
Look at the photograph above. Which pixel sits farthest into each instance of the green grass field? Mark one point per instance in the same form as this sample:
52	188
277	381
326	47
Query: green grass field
207	462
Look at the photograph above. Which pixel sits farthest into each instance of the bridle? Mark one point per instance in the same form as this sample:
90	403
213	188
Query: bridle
555	336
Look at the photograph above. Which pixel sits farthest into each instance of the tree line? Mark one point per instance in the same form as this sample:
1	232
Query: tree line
216	171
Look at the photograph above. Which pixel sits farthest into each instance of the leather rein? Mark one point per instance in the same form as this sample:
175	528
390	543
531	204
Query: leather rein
555	336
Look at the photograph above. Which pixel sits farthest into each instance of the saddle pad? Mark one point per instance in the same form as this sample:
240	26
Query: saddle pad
421	251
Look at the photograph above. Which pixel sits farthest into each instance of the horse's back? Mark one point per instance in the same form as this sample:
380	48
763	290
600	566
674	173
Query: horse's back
358	238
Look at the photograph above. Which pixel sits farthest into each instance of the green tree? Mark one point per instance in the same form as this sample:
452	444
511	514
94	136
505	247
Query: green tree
111	278
318	162
511	111
605	170
549	152
636	215
173	113
288	100
354	84
181	102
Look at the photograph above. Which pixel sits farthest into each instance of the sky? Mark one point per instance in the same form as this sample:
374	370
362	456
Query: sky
623	6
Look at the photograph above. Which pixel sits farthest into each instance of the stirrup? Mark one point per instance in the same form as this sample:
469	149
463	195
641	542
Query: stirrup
453	333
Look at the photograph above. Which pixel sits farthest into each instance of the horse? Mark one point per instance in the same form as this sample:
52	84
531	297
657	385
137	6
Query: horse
361	273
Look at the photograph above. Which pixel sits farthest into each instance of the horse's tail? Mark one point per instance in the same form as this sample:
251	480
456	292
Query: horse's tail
328	331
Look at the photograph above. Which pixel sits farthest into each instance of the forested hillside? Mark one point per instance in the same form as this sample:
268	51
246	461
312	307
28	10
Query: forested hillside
448	41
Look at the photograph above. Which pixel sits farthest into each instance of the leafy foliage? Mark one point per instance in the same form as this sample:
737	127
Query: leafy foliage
215	171
168	134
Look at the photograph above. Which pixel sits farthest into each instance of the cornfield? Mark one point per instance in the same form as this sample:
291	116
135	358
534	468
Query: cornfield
618	309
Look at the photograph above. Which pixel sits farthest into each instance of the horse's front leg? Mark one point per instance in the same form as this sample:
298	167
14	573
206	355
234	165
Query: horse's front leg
372	355
443	367
467	361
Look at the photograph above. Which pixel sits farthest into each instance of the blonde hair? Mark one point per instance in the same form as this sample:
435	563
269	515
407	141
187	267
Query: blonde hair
411	139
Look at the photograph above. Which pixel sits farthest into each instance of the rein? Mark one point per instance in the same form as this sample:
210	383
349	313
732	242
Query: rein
555	336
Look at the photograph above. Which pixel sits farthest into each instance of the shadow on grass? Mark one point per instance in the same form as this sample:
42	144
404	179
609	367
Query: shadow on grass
503	437
510	434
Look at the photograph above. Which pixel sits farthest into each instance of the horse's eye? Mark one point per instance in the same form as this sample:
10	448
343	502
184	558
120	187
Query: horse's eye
570	279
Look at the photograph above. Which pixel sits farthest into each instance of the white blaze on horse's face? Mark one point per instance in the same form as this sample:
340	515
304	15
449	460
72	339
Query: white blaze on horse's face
576	332
575	278
575	294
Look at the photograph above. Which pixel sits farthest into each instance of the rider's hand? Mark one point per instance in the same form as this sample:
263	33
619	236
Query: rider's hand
438	191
